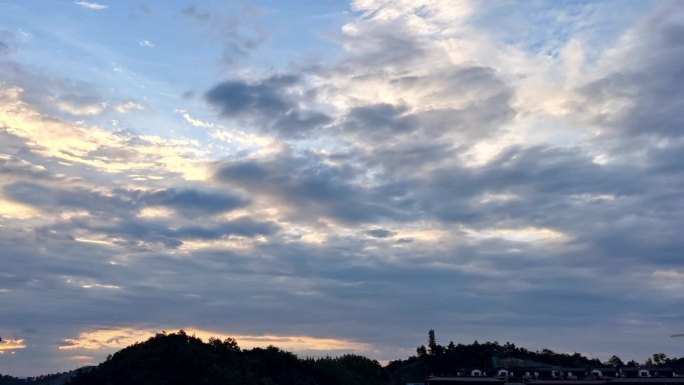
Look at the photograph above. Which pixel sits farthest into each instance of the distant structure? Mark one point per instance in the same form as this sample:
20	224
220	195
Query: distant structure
550	375
677	335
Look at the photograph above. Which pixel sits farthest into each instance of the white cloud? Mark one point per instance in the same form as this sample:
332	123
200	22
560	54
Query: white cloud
193	121
81	109
122	108
76	141
146	44
91	5
528	234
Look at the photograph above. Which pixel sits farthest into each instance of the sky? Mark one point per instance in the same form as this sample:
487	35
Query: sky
339	177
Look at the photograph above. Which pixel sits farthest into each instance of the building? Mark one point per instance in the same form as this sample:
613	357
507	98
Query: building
607	372
464	381
647	381
660	372
634	372
545	373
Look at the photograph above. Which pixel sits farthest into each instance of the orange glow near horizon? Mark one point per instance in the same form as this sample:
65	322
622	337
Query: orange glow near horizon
10	345
118	338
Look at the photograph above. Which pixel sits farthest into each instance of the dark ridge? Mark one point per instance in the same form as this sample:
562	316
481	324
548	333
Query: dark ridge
181	359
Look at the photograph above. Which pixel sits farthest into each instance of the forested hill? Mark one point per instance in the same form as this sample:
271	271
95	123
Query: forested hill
453	358
180	359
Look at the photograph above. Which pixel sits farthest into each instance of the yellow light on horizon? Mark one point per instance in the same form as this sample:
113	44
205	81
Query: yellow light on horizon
10	345
118	338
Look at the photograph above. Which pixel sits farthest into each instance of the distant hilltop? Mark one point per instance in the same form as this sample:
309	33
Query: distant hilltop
508	362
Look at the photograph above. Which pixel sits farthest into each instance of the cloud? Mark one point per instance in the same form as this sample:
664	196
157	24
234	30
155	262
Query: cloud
95	146
156	233
123	209
192	202
146	44
81	109
107	339
88	5
272	103
640	98
6	42
58	199
268	97
381	121
193	121
238	37
380	233
123	108
311	190
192	11
10	345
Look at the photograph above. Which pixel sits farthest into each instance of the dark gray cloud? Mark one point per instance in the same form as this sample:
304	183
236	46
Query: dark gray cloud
538	170
544	180
380	121
271	103
312	190
56	200
188	202
297	123
380	233
16	166
114	214
149	233
191	202
268	97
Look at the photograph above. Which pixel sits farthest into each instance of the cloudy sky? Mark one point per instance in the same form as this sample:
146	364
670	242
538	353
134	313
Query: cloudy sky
333	176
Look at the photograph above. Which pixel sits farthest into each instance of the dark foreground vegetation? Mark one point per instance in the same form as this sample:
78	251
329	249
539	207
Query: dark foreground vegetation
181	359
178	358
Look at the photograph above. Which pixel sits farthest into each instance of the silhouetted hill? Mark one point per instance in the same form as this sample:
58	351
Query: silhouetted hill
449	360
454	358
180	359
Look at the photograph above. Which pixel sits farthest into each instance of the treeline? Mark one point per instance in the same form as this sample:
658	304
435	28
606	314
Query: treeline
437	359
9	380
181	359
47	379
452	358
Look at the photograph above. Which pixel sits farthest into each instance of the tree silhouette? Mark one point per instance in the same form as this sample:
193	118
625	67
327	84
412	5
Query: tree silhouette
615	362
432	342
